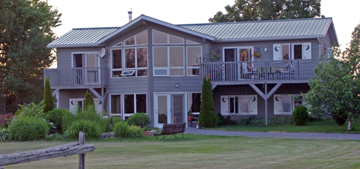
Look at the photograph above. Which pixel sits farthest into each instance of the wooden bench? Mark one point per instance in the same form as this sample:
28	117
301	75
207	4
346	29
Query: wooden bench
172	129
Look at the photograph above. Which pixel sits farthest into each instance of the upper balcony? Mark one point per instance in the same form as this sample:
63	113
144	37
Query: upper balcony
283	71
95	77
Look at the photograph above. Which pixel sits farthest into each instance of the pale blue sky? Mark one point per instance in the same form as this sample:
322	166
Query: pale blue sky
105	13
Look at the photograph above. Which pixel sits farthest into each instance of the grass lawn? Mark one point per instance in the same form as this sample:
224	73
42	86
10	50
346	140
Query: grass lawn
325	126
200	151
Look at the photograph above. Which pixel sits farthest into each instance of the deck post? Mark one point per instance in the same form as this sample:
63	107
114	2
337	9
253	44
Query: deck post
266	105
81	156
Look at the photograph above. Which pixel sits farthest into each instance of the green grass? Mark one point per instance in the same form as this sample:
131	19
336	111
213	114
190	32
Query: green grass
324	126
200	151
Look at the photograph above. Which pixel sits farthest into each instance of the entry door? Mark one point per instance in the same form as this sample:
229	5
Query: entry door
78	65
162	109
231	69
92	69
169	108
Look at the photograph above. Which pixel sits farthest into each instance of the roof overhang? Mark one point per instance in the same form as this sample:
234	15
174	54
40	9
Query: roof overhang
267	39
74	46
156	21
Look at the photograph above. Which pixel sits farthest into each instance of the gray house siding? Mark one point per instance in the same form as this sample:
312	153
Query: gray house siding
64	57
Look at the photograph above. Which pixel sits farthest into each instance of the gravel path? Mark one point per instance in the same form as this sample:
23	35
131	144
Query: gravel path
316	136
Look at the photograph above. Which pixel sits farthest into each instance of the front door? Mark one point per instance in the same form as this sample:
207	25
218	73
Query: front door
169	108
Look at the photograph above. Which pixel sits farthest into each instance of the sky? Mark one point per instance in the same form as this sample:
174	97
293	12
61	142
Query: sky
108	13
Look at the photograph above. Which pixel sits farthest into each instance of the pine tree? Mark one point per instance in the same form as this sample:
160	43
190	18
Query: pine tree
207	116
89	101
48	98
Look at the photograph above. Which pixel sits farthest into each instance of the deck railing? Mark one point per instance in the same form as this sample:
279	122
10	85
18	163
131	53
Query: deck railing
90	76
257	70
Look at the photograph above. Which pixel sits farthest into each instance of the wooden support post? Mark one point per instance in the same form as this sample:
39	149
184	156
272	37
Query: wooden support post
266	105
81	156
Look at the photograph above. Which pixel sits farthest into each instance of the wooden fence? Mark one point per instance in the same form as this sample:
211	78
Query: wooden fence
52	152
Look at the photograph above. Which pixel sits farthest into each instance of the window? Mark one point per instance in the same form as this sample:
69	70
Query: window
138	39
115	105
194	102
284	104
134	103
238	105
193	57
191	42
135	60
301	50
169	61
281	52
164	38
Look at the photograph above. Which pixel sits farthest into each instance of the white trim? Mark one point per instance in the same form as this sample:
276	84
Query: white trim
109	108
123	64
97	53
239	104
123	115
237	53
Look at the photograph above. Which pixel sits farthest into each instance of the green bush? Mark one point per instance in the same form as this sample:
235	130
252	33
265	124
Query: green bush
28	128
139	119
89	101
225	121
121	129
4	134
252	121
56	116
279	120
31	110
90	128
135	131
340	117
207	116
67	119
48	98
300	115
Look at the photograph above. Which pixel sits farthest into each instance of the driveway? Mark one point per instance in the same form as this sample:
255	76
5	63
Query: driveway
316	136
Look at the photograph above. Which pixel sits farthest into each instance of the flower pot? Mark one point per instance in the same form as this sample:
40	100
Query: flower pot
190	118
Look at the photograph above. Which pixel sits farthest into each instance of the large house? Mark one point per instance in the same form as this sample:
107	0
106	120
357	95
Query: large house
154	67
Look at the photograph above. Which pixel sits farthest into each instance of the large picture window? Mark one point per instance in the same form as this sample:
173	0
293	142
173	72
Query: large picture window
138	39
164	38
135	59
132	103
169	61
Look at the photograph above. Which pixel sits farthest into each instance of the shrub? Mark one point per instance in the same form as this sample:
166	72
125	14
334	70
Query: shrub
279	120
225	121
92	115
48	98
56	116
5	120
252	121
31	110
90	128
121	129
340	117
67	119
135	131
207	116
4	134
89	101
300	115
28	128
139	119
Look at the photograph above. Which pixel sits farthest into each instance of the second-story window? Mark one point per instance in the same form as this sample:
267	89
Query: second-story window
169	61
131	58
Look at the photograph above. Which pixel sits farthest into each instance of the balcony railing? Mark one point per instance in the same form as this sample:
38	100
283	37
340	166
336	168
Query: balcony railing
80	77
257	71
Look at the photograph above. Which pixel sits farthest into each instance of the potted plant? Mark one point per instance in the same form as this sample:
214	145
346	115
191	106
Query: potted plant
190	116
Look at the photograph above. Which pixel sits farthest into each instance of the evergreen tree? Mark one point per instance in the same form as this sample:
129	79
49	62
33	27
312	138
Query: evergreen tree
48	98
89	101
252	10
207	116
25	30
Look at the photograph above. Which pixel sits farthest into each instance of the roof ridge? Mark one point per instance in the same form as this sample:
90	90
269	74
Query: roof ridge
97	28
258	21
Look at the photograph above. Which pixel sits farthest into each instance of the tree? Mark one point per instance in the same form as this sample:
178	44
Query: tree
252	10
89	101
335	88
25	30
207	116
48	98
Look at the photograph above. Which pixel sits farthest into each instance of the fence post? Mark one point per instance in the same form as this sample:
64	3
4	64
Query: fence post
81	156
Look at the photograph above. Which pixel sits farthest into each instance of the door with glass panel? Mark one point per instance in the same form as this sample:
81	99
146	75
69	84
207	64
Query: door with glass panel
161	110
86	68
177	107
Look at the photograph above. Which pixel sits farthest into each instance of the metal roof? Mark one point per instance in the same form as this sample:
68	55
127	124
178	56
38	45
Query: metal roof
220	32
264	29
78	37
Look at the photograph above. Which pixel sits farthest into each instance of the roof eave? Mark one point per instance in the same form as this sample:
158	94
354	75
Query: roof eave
267	39
156	21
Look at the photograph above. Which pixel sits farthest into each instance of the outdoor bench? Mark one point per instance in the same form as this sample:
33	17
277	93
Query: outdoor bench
172	129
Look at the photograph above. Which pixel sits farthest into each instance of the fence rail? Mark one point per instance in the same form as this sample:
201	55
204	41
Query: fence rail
90	76
256	70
